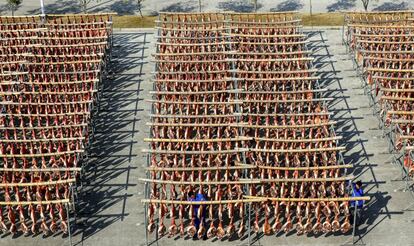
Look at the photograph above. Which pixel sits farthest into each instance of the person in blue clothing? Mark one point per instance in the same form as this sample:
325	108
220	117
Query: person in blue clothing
357	191
199	197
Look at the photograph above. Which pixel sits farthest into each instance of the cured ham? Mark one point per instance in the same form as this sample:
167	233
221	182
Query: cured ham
49	86
243	124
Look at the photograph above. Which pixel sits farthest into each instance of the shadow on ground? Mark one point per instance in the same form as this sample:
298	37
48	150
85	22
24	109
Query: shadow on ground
392	6
123	7
289	5
103	196
4	9
187	6
356	152
341	5
244	6
59	7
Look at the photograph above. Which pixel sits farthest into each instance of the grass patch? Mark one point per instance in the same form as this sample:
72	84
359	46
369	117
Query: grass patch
130	21
323	19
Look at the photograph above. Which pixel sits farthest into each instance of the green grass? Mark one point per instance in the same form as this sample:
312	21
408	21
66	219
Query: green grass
128	21
325	19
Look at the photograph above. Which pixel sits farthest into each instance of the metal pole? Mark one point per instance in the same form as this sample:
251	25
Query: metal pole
343	32
147	191
310	7
250	222
241	132
42	8
74	199
69	228
156	232
355	221
146	205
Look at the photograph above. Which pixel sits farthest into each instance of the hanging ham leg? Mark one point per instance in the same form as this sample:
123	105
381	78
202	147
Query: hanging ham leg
162	212
277	225
202	230
181	217
318	226
151	213
62	216
345	207
346	225
33	218
43	225
335	224
287	227
191	229
326	209
299	226
220	231
212	229
12	218
308	226
23	227
267	229
326	226
172	230
240	231
3	226
231	228
53	226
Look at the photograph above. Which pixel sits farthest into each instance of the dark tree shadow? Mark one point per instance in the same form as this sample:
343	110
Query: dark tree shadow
73	6
244	6
391	6
99	6
4	9
341	5
289	5
187	6
7	8
123	7
59	7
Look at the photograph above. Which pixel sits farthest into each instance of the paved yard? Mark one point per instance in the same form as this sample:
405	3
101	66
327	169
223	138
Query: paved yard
110	208
154	6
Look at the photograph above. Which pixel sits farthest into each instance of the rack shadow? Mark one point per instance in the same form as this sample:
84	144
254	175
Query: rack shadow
104	193
356	153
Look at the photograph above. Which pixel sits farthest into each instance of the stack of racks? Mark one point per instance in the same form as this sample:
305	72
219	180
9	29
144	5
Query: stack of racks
383	48
50	78
240	125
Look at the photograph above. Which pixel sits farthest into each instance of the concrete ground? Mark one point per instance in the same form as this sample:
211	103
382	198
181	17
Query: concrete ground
110	209
154	6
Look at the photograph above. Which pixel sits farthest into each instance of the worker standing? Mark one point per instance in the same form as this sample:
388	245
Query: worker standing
357	191
199	216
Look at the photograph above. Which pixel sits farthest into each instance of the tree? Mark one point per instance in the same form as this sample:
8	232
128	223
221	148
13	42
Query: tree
365	3
84	5
13	5
139	7
255	5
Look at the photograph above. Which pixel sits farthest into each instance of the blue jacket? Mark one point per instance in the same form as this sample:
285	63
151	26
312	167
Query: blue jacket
199	197
357	193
